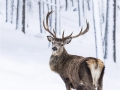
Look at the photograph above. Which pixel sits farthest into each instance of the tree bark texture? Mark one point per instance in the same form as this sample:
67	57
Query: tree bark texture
56	16
94	30
114	32
106	32
66	5
40	17
23	16
88	4
6	10
17	14
79	13
12	10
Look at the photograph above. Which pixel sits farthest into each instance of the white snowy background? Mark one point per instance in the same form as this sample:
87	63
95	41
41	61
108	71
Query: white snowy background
24	58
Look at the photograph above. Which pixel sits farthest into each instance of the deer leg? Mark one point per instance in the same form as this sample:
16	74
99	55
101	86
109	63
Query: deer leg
100	86
100	82
68	86
67	83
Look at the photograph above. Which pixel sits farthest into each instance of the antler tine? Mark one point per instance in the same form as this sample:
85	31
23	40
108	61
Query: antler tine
46	27
82	32
54	32
63	35
66	36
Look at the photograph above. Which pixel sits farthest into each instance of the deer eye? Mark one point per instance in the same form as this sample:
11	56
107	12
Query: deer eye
53	42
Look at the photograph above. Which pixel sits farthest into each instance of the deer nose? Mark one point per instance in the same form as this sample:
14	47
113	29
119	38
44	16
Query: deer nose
54	48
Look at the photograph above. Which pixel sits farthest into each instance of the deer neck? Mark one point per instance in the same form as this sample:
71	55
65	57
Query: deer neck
57	61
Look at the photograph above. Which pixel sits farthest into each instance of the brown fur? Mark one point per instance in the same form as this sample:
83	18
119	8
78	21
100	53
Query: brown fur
75	70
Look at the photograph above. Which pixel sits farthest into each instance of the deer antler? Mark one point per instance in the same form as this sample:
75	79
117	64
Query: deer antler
80	33
46	27
66	36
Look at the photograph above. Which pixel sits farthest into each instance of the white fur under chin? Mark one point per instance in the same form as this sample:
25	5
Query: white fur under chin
54	53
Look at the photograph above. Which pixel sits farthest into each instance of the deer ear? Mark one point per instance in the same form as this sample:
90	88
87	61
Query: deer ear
68	40
50	38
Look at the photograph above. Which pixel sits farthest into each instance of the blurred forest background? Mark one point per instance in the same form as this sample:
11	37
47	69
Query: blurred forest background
104	17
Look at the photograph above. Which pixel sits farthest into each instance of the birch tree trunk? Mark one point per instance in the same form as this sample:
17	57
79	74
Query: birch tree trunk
56	16
102	11
17	14
6	10
106	32
88	4
39	3
59	19
66	5
83	7
79	13
12	10
72	2
94	30
109	42
47	6
114	32
97	30
23	16
43	9
51	18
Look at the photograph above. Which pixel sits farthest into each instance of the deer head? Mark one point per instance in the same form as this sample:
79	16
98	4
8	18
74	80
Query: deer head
58	43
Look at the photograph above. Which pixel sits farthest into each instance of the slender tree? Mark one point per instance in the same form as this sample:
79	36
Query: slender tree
88	4
30	5
12	10
17	14
43	9
72	2
97	29
106	31
102	11
66	5
51	17
56	16
23	16
47	5
59	19
114	31
79	13
83	7
94	29
101	21
6	10
39	3
29	9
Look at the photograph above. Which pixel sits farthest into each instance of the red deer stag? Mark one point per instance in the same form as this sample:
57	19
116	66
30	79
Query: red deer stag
77	72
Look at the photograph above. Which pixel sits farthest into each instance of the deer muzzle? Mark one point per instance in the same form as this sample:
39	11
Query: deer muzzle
54	48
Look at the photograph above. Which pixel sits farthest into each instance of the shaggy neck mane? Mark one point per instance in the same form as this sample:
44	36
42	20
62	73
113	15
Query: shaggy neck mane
57	62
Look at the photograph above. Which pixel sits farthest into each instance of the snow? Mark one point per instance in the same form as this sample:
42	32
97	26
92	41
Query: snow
22	65
24	58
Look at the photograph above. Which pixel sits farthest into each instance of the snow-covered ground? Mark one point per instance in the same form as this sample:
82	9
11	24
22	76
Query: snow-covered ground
24	58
